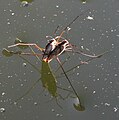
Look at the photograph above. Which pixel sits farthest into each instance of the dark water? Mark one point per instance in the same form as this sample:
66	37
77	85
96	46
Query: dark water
97	83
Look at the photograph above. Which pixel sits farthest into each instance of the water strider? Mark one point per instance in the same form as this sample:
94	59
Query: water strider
53	49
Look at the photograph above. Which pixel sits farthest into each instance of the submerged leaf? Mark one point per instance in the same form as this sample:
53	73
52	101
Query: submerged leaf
79	107
48	79
7	53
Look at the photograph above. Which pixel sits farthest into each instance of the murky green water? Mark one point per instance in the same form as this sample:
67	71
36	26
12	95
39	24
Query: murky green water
96	83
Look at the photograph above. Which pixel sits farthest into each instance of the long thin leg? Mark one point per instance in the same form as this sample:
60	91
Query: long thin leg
34	84
88	55
82	53
62	63
75	49
32	54
22	53
27	92
64	29
86	61
54	33
78	51
68	80
27	44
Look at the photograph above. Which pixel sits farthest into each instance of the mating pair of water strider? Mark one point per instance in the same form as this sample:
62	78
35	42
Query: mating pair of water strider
55	47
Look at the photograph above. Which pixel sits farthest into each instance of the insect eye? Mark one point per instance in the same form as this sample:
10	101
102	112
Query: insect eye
65	41
51	41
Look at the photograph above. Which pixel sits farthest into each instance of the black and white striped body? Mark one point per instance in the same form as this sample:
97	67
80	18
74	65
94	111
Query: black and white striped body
58	50
49	47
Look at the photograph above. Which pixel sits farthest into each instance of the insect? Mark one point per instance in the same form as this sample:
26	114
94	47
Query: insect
54	48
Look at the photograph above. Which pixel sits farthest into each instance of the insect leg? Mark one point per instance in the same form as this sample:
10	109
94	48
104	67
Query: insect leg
69	80
27	44
64	29
86	61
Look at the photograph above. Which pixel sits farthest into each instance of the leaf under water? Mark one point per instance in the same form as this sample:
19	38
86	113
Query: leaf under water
48	79
7	53
79	107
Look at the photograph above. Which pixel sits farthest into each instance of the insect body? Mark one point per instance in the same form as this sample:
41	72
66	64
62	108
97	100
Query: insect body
49	47
58	50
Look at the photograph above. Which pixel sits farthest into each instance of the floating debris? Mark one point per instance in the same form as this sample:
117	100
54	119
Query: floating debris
25	3
115	109
2	110
90	18
7	53
24	64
